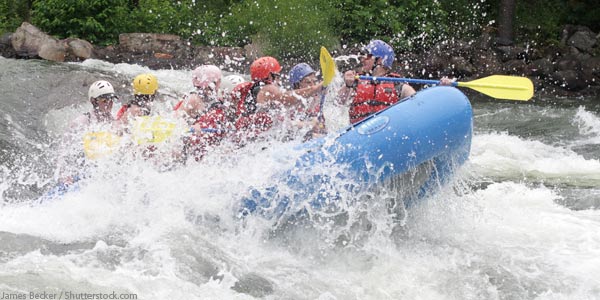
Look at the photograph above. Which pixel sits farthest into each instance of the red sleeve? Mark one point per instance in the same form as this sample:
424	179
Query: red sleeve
178	105
121	112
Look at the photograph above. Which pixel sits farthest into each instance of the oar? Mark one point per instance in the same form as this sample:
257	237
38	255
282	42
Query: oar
100	143
328	70
154	129
157	129
495	86
146	130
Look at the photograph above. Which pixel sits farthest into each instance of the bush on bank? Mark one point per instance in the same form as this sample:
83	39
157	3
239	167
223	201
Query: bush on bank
293	28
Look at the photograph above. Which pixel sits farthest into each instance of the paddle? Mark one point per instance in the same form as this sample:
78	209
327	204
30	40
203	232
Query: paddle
152	129
328	70
146	130
99	144
496	86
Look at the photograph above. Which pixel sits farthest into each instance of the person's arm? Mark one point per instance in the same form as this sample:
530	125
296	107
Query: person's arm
447	81
407	91
273	93
308	91
348	91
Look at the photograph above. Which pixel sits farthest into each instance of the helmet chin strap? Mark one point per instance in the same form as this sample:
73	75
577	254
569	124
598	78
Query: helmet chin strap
375	64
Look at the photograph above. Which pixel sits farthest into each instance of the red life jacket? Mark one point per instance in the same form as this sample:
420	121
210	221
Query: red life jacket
371	97
249	121
217	118
313	112
244	96
218	124
308	112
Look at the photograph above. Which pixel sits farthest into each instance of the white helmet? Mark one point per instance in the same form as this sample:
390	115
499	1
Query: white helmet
230	82
101	88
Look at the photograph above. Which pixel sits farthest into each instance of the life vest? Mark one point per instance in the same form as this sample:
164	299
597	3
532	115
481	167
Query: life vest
215	118
217	123
250	121
371	97
244	97
310	108
313	112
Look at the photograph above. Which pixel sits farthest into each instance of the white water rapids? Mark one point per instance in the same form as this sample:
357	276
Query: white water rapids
520	220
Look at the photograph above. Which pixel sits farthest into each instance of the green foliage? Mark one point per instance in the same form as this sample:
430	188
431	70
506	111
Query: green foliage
409	25
286	28
187	18
584	12
94	20
296	28
540	21
467	18
13	13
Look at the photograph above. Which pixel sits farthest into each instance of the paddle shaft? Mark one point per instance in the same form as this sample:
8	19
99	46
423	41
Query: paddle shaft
209	130
321	103
405	80
437	82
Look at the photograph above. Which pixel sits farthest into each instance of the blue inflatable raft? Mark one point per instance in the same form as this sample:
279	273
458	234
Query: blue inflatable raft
420	140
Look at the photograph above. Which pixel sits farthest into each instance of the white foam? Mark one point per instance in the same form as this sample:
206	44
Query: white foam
505	156
507	240
515	234
588	124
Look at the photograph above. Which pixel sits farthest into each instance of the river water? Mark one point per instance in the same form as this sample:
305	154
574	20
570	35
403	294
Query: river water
520	220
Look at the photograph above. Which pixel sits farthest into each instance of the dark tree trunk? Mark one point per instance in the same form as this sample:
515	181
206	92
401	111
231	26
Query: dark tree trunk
506	20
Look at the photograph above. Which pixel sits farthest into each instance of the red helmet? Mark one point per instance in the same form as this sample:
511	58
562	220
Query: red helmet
263	67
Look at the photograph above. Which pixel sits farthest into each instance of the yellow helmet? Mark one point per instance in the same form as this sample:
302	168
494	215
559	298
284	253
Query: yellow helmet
145	84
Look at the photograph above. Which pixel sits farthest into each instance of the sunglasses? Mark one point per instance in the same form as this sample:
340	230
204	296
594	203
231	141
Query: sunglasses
107	97
309	80
364	53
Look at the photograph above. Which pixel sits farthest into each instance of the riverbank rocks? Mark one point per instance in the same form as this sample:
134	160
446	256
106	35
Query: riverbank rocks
78	49
542	67
29	41
150	42
572	65
6	48
579	37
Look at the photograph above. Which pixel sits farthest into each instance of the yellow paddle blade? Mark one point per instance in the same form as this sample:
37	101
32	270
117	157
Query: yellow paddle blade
327	66
152	129
502	87
99	144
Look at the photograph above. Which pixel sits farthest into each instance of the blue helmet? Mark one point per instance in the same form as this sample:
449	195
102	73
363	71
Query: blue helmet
381	49
300	71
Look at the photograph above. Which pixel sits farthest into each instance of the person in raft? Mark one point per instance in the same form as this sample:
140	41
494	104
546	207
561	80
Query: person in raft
302	76
145	87
101	95
366	97
204	111
262	102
